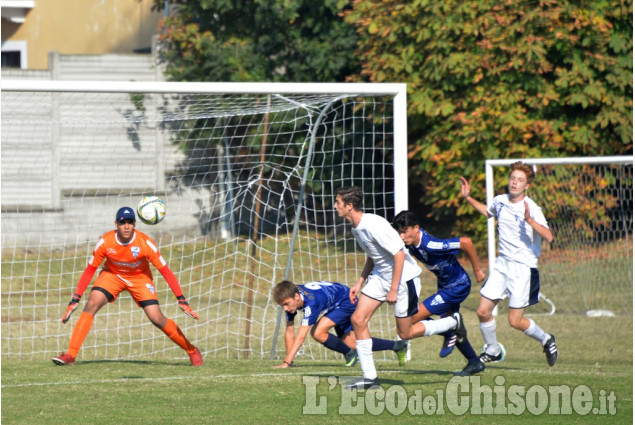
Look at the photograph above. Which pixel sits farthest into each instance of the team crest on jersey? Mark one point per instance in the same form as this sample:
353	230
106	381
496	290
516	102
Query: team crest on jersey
446	245
150	288
135	251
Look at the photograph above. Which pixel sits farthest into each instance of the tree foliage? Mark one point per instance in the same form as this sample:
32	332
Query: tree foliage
500	79
262	40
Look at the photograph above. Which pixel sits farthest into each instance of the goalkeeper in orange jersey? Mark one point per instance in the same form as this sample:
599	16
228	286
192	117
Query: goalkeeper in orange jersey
128	253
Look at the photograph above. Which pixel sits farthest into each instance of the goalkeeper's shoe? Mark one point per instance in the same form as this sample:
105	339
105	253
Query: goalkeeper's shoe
186	307
64	359
196	358
401	348
351	358
72	306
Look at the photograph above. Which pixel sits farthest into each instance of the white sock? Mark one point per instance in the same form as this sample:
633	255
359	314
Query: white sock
365	353
488	329
536	332
436	327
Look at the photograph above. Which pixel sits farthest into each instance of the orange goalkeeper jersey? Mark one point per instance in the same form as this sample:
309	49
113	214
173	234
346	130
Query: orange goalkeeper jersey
128	259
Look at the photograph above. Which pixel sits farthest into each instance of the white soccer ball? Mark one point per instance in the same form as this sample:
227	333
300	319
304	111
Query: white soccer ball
151	210
501	347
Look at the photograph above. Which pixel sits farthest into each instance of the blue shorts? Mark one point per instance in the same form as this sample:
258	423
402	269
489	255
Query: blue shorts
341	316
447	300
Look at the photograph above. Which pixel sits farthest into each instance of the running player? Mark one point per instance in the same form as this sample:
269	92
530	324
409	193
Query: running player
521	229
332	301
391	275
453	282
127	253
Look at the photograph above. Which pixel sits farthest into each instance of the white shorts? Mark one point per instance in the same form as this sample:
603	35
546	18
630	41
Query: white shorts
516	280
407	303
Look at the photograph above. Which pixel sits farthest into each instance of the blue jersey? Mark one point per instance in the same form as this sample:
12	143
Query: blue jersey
320	298
439	256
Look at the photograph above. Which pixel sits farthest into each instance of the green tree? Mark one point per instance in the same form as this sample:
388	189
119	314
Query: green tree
500	79
262	40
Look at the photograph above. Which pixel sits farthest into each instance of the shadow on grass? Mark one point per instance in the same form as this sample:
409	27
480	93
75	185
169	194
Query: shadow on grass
134	362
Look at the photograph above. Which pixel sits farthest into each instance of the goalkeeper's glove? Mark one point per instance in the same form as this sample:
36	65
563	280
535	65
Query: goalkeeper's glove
186	307
72	306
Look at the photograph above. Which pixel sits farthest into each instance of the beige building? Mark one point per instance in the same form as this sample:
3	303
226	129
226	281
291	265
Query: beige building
33	28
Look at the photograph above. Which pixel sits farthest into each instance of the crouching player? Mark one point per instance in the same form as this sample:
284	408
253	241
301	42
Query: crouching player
127	253
332	299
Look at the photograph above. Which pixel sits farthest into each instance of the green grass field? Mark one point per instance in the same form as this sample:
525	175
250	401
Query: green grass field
596	356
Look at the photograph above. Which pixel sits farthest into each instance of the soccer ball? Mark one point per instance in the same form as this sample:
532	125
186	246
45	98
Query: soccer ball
500	347
151	210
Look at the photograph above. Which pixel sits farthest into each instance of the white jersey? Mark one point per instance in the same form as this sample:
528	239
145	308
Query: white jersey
517	240
381	242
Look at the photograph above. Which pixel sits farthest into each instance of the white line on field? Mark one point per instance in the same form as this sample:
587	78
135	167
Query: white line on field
133	379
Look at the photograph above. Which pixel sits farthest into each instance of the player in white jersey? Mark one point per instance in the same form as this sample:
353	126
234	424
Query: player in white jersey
521	229
391	275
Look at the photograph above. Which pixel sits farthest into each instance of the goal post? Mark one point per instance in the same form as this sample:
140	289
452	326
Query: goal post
588	202
247	171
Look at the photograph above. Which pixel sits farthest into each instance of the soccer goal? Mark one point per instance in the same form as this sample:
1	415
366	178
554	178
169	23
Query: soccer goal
247	171
588	202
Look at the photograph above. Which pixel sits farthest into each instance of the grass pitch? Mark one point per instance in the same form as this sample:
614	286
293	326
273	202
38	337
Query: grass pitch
596	355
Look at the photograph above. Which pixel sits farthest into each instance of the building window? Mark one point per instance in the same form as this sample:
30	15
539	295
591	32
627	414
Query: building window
14	54
11	59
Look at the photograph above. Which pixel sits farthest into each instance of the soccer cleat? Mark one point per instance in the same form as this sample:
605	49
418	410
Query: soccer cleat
351	358
64	359
363	384
551	351
449	341
196	358
461	332
489	358
472	368
401	348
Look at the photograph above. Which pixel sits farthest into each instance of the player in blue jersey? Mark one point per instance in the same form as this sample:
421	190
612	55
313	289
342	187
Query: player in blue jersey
521	228
325	305
453	282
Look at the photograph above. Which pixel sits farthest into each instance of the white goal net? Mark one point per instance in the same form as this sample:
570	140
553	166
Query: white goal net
588	202
247	172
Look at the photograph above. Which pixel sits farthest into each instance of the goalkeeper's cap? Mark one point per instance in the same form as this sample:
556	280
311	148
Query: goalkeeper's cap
125	213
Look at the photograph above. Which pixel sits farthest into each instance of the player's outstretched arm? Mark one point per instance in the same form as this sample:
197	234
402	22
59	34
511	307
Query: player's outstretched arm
87	276
176	289
293	344
465	191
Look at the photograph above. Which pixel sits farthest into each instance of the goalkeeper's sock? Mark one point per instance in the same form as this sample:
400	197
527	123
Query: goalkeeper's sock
174	333
81	329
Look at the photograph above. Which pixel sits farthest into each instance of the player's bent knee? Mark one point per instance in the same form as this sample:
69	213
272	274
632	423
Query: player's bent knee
484	315
404	334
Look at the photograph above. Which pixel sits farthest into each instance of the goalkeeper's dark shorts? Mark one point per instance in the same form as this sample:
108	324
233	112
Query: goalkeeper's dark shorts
140	287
